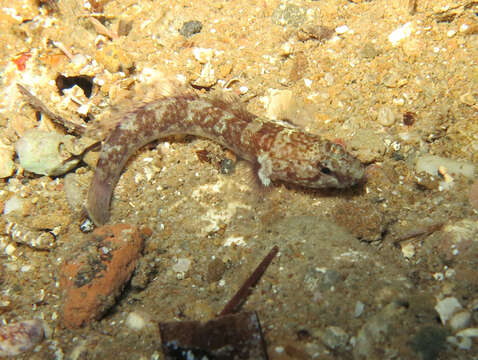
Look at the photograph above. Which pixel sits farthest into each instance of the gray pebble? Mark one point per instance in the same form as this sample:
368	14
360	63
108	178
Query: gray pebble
368	51
460	320
359	308
335	337
447	307
215	270
190	28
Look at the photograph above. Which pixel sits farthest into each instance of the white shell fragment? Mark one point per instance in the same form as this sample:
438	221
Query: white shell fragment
446	308
278	103
401	33
44	153
20	337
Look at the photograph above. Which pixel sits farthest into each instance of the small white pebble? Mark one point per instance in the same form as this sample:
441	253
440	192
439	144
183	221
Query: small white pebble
450	33
234	240
308	83
450	273
399	101
283	81
79	60
329	78
135	321
10	249
464	27
385	116
470	332
286	49
12	204
460	320
279	349
438	276
400	33
396	146
446	308
359	308
179	276
13	13
243	89
25	268
83	109
408	250
182	265
341	29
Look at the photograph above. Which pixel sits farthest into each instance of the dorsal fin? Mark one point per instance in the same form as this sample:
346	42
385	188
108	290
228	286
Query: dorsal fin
151	85
230	102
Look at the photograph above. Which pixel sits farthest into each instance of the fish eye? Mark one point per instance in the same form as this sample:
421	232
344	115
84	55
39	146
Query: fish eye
325	170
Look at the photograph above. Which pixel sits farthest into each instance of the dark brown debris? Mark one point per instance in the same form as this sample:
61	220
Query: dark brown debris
241	295
229	336
38	105
236	336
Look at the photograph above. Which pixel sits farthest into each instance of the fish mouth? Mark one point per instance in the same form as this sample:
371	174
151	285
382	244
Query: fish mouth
354	175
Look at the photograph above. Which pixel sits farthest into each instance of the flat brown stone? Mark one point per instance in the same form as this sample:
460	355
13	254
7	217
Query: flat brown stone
96	272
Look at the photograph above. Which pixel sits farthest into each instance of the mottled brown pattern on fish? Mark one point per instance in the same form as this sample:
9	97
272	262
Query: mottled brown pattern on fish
264	138
278	152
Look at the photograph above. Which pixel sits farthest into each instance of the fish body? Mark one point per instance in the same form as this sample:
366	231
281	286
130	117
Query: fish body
278	152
